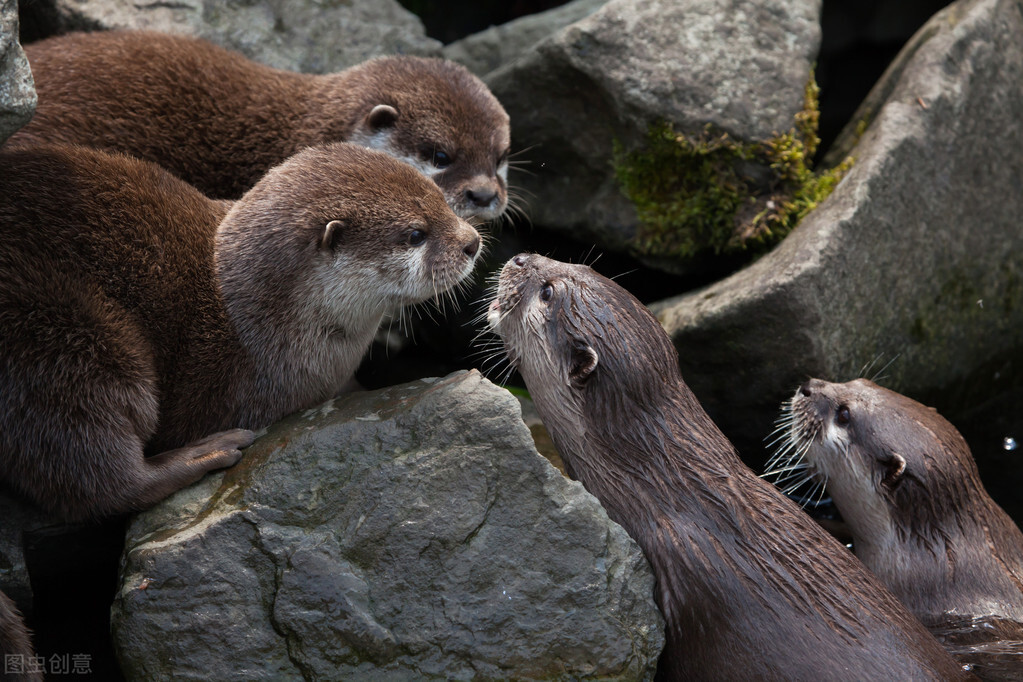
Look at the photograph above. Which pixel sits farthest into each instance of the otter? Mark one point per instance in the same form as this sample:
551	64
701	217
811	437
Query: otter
140	317
750	587
15	646
906	484
219	121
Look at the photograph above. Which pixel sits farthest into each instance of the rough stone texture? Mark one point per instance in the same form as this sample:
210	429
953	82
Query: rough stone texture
411	532
914	259
496	46
737	64
17	518
17	90
299	35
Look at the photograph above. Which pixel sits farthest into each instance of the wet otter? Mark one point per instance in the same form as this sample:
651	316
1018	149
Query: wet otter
220	121
908	488
141	316
750	587
15	646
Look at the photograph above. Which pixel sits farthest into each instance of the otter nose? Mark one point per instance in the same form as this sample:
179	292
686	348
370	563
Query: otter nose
480	196
520	260
806	390
472	248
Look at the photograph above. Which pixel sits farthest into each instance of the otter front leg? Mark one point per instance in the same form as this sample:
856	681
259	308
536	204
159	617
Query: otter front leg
172	470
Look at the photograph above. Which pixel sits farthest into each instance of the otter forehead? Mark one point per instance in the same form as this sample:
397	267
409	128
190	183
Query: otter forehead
329	180
558	314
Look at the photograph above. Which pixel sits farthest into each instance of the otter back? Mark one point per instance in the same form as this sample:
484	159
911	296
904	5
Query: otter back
220	121
141	316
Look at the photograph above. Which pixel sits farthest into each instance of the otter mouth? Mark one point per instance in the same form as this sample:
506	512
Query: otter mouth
793	468
507	295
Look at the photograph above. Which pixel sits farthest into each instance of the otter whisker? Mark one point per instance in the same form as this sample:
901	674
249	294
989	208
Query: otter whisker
880	373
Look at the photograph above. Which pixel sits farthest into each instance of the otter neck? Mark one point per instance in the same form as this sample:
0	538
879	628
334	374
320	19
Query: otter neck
340	90
302	333
936	572
671	460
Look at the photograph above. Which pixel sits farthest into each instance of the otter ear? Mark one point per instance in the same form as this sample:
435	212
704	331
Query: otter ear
331	235
382	116
584	361
895	468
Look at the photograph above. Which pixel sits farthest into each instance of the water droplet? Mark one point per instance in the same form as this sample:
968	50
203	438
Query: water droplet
1009	443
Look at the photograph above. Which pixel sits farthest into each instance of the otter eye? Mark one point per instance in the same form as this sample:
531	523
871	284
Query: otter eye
416	237
546	292
842	415
503	159
440	159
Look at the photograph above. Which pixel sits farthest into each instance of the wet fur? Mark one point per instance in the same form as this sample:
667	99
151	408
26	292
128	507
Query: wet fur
14	641
931	532
141	317
750	587
220	121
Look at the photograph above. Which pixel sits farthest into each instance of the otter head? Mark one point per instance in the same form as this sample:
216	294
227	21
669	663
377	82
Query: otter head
329	241
895	468
441	119
589	352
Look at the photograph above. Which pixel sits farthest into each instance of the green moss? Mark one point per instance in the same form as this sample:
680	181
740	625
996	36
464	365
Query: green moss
713	193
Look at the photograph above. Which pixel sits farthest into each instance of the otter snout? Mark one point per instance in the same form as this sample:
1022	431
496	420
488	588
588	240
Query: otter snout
810	387
472	247
482	197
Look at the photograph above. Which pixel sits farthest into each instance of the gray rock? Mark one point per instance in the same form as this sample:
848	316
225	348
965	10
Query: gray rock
412	532
739	65
18	517
299	35
914	259
17	90
496	46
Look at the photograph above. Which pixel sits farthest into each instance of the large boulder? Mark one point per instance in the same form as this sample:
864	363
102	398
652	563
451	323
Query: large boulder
912	264
411	532
18	518
496	46
739	66
17	90
298	35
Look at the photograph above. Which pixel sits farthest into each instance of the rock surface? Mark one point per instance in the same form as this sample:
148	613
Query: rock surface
298	35
740	65
17	90
408	532
496	46
18	518
913	259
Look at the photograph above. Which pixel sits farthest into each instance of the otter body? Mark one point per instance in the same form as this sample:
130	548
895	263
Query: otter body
220	121
15	646
750	587
907	486
140	316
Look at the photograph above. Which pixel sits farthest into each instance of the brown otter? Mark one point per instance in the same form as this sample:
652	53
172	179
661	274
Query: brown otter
139	315
750	587
15	646
906	484
220	121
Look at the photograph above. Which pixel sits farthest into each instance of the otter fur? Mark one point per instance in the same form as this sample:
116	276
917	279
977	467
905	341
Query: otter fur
750	587
220	121
142	318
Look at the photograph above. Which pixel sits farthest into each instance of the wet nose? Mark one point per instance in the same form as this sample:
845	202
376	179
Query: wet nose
472	248
480	196
806	390
520	260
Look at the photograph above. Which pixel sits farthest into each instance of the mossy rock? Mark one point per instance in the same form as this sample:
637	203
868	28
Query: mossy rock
709	192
